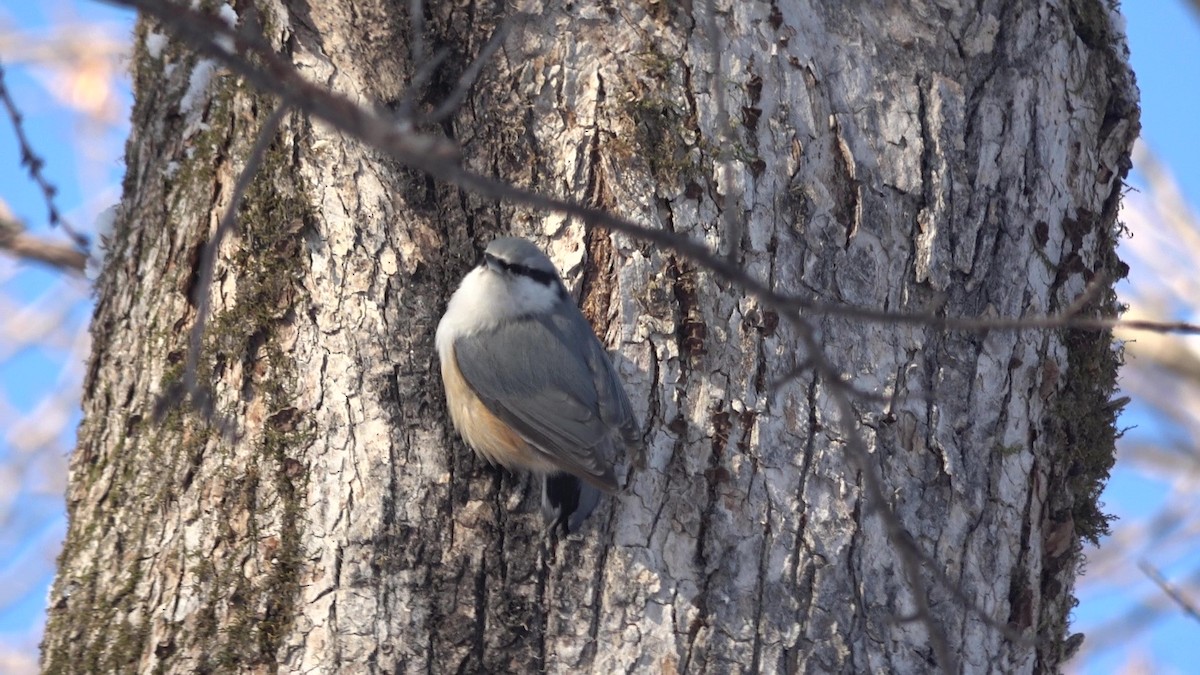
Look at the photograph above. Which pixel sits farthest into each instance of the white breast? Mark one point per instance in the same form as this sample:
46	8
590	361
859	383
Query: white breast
485	299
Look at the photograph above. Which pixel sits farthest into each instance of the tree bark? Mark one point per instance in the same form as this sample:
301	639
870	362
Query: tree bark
938	157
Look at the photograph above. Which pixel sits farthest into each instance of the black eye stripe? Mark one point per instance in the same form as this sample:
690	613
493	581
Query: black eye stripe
544	278
540	276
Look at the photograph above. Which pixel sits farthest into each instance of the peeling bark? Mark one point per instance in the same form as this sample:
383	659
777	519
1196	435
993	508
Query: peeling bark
951	158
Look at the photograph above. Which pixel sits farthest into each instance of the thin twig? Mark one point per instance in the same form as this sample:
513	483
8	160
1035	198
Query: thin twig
792	304
452	102
34	163
420	79
1092	291
211	37
792	373
416	37
437	157
733	195
907	551
1134	620
208	261
778	383
1174	592
423	69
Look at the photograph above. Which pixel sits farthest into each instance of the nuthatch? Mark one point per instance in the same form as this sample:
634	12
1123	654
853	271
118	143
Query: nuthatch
528	384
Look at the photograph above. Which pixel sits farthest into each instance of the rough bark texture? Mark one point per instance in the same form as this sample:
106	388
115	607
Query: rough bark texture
960	158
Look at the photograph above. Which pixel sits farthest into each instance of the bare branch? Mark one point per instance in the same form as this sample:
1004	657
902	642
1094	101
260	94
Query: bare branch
29	247
467	79
416	22
34	163
189	385
1089	294
1174	592
437	157
785	304
845	382
907	551
211	36
1138	619
420	79
911	556
733	196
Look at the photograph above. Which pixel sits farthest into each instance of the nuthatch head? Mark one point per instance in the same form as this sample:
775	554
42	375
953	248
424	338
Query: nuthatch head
528	384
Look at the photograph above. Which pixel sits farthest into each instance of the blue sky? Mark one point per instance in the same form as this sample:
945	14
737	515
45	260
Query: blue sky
27	377
1164	38
1164	44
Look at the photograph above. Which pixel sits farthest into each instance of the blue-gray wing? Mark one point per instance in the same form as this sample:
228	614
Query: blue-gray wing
549	379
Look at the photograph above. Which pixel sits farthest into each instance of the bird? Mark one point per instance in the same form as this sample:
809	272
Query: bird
528	384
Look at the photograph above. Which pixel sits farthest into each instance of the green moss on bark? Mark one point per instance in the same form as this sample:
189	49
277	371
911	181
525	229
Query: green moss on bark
101	624
252	615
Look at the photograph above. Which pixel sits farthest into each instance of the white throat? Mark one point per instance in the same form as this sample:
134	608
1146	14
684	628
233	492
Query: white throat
486	299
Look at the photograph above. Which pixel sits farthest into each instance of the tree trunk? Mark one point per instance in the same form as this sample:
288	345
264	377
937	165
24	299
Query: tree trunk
933	158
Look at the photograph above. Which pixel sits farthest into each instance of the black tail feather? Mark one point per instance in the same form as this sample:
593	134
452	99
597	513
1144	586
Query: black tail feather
567	501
